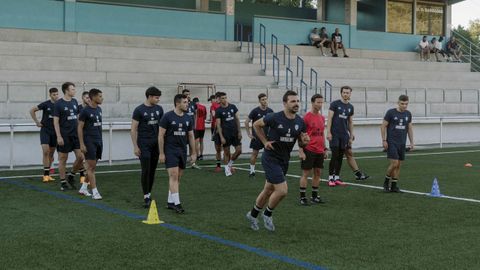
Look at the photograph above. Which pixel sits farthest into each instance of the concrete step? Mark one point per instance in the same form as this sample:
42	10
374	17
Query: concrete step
174	67
57	37
46	63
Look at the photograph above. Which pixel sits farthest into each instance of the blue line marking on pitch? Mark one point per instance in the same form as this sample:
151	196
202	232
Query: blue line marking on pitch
258	251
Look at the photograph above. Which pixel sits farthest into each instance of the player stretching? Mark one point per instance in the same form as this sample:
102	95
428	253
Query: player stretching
397	123
255	144
48	139
91	143
313	155
285	128
176	132
144	133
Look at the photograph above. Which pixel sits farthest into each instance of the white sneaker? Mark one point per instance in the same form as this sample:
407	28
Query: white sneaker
324	54
268	223
97	196
253	221
228	172
84	192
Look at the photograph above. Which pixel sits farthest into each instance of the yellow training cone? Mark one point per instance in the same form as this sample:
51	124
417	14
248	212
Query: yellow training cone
153	215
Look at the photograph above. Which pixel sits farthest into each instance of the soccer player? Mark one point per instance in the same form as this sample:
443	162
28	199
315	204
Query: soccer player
191	105
229	131
339	133
285	128
255	144
313	155
397	123
85	101
176	131
65	121
144	132
91	143
200	117
48	139
214	105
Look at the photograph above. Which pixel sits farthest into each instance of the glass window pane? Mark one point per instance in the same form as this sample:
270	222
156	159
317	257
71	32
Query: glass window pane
400	17
429	19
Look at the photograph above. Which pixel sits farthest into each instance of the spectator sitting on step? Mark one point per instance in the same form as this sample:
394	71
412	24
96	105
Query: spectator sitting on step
314	37
436	47
325	41
424	48
454	49
337	43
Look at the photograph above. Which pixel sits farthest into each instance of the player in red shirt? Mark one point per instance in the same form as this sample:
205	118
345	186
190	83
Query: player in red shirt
215	104
200	117
313	155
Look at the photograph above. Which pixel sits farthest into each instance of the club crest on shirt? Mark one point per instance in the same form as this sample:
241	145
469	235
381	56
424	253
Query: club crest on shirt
406	118
174	123
396	118
180	125
75	107
145	114
296	127
280	126
187	123
65	109
158	113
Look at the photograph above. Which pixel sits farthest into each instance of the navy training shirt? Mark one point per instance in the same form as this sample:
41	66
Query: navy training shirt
227	118
177	128
67	112
284	133
148	118
341	114
257	114
397	128
47	108
92	129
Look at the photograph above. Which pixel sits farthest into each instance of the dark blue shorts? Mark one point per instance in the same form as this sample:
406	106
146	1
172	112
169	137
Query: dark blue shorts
48	137
176	158
396	151
340	142
148	149
94	150
70	143
256	144
275	169
231	141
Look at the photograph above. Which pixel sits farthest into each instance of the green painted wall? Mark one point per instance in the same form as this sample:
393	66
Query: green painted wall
39	14
185	4
371	15
244	12
335	11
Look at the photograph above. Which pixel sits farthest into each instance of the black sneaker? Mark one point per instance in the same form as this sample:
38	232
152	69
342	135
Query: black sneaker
71	181
335	55
170	206
251	175
63	186
386	187
304	201
362	176
147	202
178	209
317	200
395	190
200	157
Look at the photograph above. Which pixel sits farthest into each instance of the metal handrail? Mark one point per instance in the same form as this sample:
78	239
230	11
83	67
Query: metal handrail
273	37
329	86
239	34
287	72
264	32
316	79
299	59
263	57
276	69
250	40
303	96
285	48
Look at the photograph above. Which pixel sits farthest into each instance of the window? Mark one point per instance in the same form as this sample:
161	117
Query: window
430	18
400	16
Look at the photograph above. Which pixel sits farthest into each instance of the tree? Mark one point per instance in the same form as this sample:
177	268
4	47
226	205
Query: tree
474	30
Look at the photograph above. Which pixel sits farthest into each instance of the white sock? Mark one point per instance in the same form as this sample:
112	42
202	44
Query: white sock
331	177
170	199
84	186
95	191
337	177
252	168
230	163
176	198
146	196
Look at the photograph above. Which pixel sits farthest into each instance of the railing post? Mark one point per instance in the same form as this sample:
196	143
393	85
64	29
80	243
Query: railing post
426	105
11	146
110	138
441	132
366	103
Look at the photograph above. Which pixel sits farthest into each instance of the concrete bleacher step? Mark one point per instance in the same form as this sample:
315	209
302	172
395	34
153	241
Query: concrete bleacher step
60	37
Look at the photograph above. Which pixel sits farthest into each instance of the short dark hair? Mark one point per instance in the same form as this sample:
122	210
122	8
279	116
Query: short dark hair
85	93
220	94
178	98
153	91
261	95
66	85
185	90
323	28
289	93
212	97
345	87
195	100
314	97
217	94
403	98
93	92
52	90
